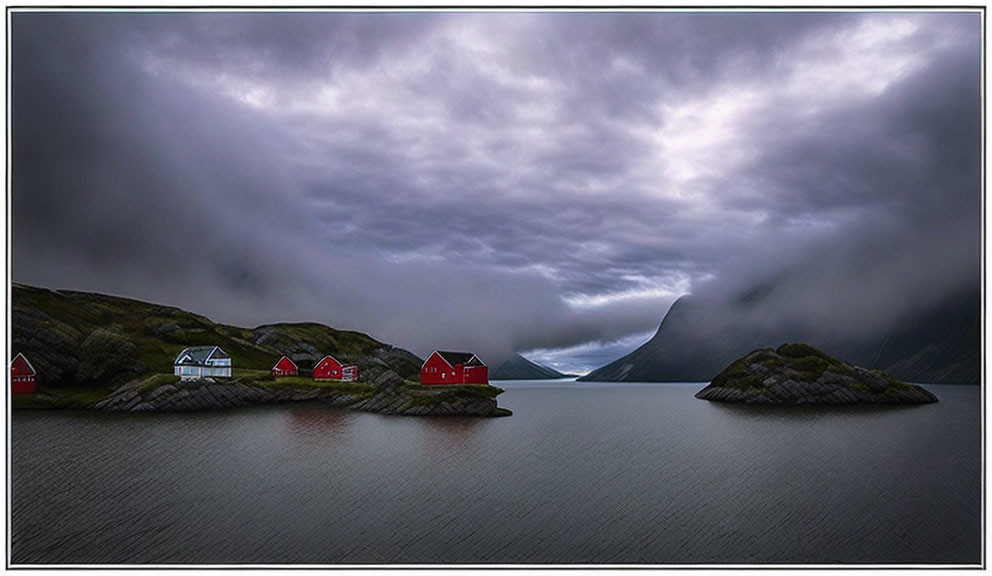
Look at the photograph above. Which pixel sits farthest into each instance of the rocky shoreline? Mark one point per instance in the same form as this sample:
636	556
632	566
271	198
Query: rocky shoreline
800	374
387	394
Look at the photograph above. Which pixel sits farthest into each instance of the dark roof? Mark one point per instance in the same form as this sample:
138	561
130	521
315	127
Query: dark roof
466	358
199	354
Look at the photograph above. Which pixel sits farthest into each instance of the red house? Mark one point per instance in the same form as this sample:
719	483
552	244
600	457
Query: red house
22	375
330	369
284	367
453	368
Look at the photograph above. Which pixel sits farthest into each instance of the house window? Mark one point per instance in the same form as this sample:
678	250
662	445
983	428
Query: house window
443	374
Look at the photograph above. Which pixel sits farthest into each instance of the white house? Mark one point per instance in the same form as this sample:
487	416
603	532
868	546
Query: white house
202	362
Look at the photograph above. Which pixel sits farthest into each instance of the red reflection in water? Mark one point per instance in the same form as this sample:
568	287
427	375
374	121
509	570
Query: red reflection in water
315	419
443	437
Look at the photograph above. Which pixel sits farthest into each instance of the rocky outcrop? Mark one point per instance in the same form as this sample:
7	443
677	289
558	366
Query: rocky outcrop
394	396
387	394
200	395
801	374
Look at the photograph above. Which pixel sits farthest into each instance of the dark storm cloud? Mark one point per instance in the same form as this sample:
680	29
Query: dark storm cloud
894	182
497	181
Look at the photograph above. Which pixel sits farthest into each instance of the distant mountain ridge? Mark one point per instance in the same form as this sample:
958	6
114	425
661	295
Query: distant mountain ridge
520	368
698	338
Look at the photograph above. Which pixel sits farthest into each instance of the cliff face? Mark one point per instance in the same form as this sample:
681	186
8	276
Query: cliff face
697	338
387	394
801	374
677	352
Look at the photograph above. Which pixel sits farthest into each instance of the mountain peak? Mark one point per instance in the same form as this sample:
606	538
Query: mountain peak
520	368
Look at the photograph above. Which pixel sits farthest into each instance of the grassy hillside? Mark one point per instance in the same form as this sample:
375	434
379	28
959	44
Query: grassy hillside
86	339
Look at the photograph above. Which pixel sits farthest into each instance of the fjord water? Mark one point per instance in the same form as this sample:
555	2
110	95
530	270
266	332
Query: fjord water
581	473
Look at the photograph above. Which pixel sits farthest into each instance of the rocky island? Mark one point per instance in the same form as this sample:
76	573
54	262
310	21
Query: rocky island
798	373
100	352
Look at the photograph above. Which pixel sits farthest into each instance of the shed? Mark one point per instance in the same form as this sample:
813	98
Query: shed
23	377
453	368
285	367
330	369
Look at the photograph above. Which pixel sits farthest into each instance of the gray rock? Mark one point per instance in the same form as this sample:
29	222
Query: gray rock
161	390
226	396
391	396
388	380
134	400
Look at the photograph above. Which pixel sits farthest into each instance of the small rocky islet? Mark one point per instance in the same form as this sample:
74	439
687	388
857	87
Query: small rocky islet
797	373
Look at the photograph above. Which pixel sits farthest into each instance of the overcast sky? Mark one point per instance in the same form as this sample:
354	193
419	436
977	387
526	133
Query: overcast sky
494	182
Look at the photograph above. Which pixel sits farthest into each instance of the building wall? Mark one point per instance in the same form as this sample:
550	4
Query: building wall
331	369
217	371
436	371
475	375
20	367
327	369
284	367
22	385
202	371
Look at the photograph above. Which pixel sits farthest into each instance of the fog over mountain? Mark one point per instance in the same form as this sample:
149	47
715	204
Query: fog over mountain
500	182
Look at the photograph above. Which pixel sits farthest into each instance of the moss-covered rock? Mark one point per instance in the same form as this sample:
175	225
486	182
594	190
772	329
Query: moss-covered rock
395	396
797	373
387	394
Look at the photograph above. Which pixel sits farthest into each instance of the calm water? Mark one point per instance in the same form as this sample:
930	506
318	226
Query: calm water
582	473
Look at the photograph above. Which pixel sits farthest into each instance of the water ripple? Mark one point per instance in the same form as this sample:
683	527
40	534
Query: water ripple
580	474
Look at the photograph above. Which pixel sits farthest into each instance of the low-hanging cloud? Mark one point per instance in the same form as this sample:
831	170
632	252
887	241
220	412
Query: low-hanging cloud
497	182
